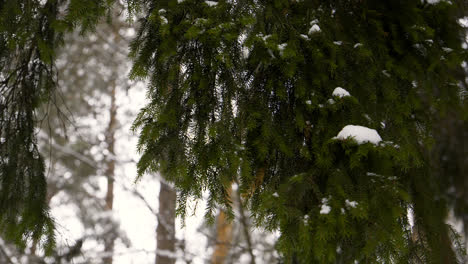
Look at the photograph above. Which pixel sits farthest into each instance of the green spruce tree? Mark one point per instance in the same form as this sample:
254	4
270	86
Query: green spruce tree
251	90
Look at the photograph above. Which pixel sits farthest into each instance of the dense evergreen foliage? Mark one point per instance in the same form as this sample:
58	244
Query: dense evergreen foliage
243	91
26	62
30	33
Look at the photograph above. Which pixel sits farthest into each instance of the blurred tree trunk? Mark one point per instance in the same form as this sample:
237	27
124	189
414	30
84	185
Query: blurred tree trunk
165	232
223	236
110	169
244	221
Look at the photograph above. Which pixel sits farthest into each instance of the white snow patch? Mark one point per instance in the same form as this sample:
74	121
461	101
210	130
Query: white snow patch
235	186
325	209
463	22
211	3
373	174
313	22
265	38
448	50
338	43
352	204
281	48
314	29
360	134
418	47
357	45
340	92
305	37
306	219
245	52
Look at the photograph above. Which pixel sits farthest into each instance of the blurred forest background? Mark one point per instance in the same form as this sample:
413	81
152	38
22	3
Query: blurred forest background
102	214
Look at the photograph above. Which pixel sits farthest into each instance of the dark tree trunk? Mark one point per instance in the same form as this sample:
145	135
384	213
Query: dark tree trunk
165	232
110	169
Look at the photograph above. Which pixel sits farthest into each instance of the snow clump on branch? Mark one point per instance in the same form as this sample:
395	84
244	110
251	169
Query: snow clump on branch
360	134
